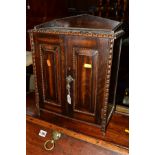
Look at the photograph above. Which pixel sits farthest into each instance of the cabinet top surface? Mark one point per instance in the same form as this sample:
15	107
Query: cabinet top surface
83	21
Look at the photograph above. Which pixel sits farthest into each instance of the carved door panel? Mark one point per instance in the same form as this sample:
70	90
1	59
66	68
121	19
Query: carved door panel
85	89
50	74
50	64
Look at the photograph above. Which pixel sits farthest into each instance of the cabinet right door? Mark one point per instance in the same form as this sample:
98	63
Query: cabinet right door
86	65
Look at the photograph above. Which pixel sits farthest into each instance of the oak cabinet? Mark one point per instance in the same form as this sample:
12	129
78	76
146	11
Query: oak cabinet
76	61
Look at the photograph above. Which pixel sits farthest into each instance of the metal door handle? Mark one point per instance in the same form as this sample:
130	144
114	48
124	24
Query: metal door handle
69	79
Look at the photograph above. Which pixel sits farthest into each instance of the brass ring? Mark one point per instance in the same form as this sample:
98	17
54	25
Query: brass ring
51	148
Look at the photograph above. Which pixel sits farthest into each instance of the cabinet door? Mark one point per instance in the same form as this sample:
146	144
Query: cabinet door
49	69
82	67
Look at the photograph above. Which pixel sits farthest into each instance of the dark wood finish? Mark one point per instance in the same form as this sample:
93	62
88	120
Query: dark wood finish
51	67
80	48
39	11
70	142
50	72
92	130
30	105
50	64
85	79
115	135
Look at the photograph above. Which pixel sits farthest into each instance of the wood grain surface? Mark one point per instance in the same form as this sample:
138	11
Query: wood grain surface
70	143
116	139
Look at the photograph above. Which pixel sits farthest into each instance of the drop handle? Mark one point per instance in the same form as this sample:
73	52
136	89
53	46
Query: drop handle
69	79
55	136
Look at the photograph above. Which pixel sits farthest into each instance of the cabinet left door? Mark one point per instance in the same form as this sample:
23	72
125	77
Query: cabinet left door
49	58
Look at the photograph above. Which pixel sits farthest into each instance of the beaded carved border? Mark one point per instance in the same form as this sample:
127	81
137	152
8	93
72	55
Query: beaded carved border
107	84
35	74
77	33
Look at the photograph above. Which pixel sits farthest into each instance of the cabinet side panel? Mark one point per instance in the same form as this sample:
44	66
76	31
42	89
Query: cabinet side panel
103	47
114	76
